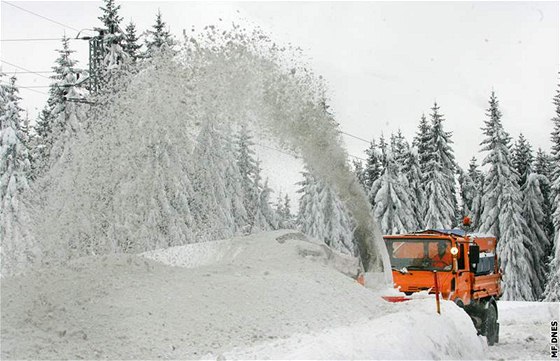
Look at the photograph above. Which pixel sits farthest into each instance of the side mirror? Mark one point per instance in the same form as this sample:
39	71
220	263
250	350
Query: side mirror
474	256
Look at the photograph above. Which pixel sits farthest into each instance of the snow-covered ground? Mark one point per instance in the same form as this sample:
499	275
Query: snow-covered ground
270	295
524	330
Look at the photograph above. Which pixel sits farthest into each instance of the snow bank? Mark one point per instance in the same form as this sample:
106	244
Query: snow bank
413	331
273	294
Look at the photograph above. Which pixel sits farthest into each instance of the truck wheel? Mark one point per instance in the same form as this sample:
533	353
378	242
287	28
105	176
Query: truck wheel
490	327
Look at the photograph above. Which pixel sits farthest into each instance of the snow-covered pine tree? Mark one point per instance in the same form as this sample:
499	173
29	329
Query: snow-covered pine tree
539	243
522	158
392	206
130	44
233	182
283	212
265	217
383	147
475	203
374	165
467	191
14	173
399	148
439	177
552	292
211	207
322	215
422	142
543	167
502	213
159	38
359	172
113	58
61	119
413	175
250	172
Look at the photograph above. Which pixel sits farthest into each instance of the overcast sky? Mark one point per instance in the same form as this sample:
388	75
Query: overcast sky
385	63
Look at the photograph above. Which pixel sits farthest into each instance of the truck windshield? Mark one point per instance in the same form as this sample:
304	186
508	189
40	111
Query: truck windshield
423	254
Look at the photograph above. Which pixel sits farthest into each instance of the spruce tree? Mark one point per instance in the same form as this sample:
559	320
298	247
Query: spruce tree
14	175
322	215
399	149
250	172
552	292
502	213
538	242
130	44
62	118
211	208
392	206
413	175
475	199
543	167
522	158
159	37
359	172
374	165
113	57
422	143
439	177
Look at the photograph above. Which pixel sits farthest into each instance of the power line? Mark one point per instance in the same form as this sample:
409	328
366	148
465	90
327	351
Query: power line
22	68
41	16
355	137
37	39
23	87
33	72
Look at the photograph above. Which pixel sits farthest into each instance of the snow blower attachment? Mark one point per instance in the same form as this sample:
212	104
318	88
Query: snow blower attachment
463	267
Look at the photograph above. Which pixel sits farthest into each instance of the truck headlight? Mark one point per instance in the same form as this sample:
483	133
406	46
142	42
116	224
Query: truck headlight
454	251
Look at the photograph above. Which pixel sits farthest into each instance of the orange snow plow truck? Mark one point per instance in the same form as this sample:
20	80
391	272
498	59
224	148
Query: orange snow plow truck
465	265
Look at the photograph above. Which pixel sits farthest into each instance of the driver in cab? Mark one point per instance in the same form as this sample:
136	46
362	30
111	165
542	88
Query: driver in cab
442	259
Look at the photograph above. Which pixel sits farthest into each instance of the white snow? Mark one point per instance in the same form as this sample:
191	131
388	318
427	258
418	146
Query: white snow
269	295
524	330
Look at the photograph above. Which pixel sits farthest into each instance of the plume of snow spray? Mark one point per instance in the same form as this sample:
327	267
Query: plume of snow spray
227	77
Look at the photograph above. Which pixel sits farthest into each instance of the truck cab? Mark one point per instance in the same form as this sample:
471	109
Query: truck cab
466	266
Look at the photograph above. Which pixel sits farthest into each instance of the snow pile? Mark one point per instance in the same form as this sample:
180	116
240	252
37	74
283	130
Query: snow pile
273	294
413	331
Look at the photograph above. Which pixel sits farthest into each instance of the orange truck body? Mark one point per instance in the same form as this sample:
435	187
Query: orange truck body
466	267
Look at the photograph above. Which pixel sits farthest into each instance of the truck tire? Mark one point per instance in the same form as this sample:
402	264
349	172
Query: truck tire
490	327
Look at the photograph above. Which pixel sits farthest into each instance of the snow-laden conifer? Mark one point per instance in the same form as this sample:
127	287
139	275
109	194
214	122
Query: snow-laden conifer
413	175
422	142
14	172
359	171
322	215
373	166
533	213
249	170
265	217
439	177
392	206
399	148
502	213
159	38
63	115
552	292
283	212
522	158
211	205
471	192
130	44
543	167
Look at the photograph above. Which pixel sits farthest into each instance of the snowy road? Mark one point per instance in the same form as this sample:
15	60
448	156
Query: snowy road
524	330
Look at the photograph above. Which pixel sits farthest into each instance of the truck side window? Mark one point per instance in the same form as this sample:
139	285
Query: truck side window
461	259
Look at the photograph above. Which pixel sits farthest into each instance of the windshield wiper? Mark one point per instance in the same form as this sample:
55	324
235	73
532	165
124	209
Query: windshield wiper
402	270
